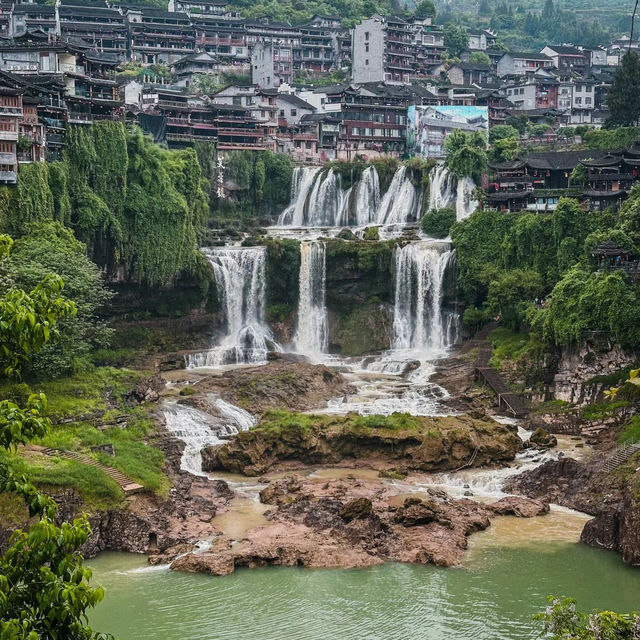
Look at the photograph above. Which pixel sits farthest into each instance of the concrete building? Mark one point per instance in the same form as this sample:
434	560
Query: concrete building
263	72
518	64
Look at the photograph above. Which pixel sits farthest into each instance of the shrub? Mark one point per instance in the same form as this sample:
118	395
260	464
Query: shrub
438	222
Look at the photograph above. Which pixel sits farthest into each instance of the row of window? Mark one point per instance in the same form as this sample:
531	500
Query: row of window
387	133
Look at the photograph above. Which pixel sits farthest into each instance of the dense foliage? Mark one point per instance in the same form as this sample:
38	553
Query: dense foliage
50	247
563	621
44	587
466	153
137	207
622	99
438	222
507	262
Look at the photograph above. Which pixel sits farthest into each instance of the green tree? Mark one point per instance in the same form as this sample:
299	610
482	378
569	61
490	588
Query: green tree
563	621
44	589
437	222
424	9
622	100
511	293
480	57
466	153
504	150
502	131
49	247
456	39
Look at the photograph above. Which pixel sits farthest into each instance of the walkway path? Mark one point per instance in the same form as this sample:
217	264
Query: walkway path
127	485
506	399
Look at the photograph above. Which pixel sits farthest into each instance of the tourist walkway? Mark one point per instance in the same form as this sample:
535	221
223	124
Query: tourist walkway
507	400
127	485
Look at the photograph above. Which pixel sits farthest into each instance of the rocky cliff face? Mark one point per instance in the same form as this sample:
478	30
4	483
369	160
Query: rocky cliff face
577	367
431	444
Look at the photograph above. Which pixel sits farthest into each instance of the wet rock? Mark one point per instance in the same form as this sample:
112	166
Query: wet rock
415	512
542	439
356	509
282	491
520	507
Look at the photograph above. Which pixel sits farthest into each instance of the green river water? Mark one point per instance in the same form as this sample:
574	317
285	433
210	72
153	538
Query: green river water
492	597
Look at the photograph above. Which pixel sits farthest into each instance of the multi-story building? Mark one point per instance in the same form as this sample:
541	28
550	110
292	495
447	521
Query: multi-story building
225	39
31	139
187	70
103	28
319	49
583	101
159	37
468	73
383	51
536	91
283	38
33	17
518	64
11	112
566	59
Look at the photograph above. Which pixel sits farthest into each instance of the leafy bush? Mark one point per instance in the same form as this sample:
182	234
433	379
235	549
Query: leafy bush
438	222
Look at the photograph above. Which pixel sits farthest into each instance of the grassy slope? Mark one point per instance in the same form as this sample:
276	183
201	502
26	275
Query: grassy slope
78	406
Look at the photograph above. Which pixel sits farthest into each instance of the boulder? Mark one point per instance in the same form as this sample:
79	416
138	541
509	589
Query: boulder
542	439
520	507
357	509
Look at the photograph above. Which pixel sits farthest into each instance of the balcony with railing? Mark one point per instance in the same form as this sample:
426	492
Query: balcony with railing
80	118
9	135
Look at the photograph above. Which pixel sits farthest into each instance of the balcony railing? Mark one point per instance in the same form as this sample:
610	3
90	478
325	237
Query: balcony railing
8	176
7	110
80	118
7	158
12	136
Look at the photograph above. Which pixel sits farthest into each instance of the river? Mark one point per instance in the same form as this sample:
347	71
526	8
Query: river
494	595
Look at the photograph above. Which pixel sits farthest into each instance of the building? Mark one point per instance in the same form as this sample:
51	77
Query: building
428	126
104	29
518	64
159	37
291	109
283	38
263	66
319	48
200	7
225	39
32	17
187	70
537	91
468	73
567	59
382	51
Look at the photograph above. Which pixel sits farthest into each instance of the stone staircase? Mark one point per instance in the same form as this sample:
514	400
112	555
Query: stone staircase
620	456
128	486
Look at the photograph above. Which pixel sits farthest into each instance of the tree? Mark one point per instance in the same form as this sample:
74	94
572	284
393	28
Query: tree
456	39
511	293
49	247
623	103
518	122
437	222
44	590
504	150
502	131
424	9
466	153
480	57
563	621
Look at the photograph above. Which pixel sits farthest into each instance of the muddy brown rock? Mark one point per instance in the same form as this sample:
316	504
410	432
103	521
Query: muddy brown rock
520	507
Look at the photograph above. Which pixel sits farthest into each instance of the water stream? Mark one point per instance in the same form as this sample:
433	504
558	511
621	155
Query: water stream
241	281
312	334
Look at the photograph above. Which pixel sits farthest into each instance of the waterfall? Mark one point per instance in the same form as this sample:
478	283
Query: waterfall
195	429
465	202
419	322
301	185
325	202
312	333
445	191
441	188
401	202
367	197
237	419
240	277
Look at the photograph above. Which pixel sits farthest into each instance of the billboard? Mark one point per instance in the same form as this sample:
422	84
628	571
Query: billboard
427	127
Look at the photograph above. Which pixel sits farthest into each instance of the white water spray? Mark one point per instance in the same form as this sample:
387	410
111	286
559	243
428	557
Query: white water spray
419	323
447	191
312	332
240	277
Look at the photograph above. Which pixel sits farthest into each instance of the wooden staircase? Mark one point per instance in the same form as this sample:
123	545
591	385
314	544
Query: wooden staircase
128	486
620	456
506	399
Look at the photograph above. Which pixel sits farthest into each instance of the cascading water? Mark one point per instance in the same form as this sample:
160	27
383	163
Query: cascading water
311	333
240	277
318	200
419	322
401	202
367	197
237	419
195	429
447	191
301	185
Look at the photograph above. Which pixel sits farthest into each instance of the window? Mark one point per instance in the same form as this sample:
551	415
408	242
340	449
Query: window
578	100
366	47
237	101
521	92
294	112
366	62
587	100
282	113
366	35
